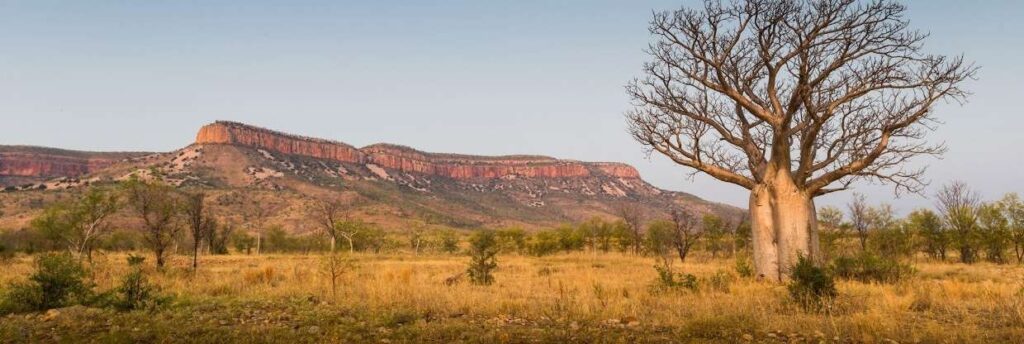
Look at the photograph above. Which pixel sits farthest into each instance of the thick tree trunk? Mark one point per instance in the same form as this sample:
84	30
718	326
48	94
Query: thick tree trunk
783	226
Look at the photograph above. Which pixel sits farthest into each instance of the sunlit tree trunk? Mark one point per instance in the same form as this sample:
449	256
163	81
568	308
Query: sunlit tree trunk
783	225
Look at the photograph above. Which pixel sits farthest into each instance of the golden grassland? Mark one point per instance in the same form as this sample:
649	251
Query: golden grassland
579	297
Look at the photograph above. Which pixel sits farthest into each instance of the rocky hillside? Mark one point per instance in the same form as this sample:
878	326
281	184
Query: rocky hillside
27	164
393	184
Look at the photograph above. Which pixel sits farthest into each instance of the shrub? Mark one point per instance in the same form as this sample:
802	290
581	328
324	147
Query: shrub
743	267
483	250
449	241
868	267
59	281
544	243
135	291
811	286
668	279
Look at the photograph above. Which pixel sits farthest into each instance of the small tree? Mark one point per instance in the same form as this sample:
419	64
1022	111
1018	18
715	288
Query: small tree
935	239
350	230
449	240
417	237
660	240
483	252
833	230
327	213
257	211
687	232
994	232
632	216
715	233
860	214
889	237
959	207
218	236
58	281
333	266
157	205
79	223
1014	209
200	222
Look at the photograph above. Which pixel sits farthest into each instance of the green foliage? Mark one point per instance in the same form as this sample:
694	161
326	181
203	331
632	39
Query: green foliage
894	241
831	230
218	238
511	240
243	242
934	236
135	291
668	279
58	281
370	238
744	267
570	238
599	234
658	240
1014	209
869	267
483	251
277	240
25	240
449	241
716	234
544	243
811	286
994	232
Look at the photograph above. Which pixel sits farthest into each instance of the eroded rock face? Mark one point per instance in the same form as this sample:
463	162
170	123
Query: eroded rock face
409	160
245	135
39	162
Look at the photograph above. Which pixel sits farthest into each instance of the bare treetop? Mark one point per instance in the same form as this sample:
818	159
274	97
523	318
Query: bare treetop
833	91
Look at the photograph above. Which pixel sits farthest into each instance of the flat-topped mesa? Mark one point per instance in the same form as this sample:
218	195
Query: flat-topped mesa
27	161
405	159
472	167
458	166
223	132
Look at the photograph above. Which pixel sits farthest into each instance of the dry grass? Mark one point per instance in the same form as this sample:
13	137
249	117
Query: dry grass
574	297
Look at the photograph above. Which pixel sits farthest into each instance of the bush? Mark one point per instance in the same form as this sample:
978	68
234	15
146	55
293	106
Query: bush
868	267
668	279
743	267
59	281
135	291
544	243
811	286
483	250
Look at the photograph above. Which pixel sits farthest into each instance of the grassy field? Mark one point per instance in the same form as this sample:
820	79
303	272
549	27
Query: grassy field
583	297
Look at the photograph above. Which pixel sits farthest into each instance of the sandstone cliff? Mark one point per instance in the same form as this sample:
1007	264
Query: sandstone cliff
409	160
26	163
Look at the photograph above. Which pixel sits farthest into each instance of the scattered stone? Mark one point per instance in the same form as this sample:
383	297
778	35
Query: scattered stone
313	329
748	337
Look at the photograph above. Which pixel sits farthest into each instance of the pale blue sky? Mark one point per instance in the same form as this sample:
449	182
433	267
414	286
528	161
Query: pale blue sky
477	77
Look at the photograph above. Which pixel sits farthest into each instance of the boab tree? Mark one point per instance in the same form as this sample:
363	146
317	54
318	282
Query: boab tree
792	100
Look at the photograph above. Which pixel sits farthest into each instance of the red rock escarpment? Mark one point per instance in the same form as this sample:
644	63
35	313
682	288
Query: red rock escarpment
250	136
24	161
407	159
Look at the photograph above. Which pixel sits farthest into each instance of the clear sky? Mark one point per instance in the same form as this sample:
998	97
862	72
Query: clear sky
476	77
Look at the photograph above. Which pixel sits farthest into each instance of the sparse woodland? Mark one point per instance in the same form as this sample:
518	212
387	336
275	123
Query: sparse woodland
789	99
689	278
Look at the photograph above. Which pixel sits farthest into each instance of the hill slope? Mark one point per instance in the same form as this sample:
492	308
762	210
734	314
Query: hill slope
394	185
